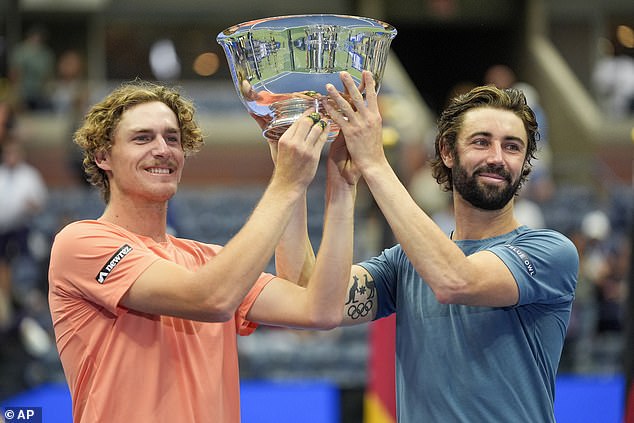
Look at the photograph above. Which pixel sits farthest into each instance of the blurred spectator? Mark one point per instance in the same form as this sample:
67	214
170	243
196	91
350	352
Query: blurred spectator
529	213
164	60
612	286
71	92
594	340
31	71
589	239
500	75
70	99
613	80
23	194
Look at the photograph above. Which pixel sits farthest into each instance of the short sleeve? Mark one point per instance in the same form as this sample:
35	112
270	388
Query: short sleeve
545	265
383	269
96	262
243	326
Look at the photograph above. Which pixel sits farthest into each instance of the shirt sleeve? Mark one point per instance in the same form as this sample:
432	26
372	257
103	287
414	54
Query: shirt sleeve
384	272
97	263
545	265
246	327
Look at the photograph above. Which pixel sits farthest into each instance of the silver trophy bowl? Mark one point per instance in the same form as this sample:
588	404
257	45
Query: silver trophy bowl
280	66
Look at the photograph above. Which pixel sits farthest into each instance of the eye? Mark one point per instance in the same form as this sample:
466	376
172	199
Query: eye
142	137
480	141
173	139
515	147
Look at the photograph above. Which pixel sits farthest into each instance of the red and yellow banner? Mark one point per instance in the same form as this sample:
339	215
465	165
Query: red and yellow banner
380	397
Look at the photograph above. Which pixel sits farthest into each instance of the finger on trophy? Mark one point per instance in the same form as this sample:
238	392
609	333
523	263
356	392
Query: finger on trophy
369	84
332	108
352	92
365	77
362	84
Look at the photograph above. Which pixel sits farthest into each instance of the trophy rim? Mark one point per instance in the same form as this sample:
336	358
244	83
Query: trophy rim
249	25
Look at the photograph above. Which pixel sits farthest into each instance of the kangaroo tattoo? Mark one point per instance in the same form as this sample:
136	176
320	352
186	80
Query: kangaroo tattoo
369	283
353	291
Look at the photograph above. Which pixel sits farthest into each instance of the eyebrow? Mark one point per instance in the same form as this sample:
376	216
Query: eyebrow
141	129
488	134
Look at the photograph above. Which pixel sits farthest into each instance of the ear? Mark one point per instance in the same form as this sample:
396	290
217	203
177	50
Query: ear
445	154
526	169
102	160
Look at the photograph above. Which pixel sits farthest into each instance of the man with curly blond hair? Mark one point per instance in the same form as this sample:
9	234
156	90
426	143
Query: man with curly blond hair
96	134
145	322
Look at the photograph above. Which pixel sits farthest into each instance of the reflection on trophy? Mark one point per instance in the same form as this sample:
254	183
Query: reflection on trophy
281	65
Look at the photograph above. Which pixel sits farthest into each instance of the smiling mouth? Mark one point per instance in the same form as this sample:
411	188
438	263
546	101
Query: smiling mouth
159	171
492	176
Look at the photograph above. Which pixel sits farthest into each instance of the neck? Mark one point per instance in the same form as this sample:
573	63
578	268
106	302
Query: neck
475	223
146	219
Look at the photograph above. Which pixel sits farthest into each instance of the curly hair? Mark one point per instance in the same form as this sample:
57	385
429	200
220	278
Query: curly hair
452	118
96	134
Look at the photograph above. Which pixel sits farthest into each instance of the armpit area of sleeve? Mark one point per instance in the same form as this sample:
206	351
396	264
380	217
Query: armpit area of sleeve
245	327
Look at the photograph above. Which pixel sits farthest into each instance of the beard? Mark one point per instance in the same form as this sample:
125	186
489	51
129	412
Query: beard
484	196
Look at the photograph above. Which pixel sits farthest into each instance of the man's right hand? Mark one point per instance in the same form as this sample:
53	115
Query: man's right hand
299	150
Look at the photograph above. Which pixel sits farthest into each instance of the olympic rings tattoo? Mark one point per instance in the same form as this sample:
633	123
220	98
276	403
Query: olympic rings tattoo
358	310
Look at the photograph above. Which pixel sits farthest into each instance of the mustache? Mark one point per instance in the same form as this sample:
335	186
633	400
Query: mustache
496	170
169	163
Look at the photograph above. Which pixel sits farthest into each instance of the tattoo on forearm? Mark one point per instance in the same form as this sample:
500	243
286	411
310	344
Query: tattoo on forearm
359	306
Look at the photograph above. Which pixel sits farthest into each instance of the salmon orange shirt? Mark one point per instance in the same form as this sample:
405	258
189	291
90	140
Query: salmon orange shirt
123	365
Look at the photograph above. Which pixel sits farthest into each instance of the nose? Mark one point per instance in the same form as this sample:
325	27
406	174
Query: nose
495	153
160	147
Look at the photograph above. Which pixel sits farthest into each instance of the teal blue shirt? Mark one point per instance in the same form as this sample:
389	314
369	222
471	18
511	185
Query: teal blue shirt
458	363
